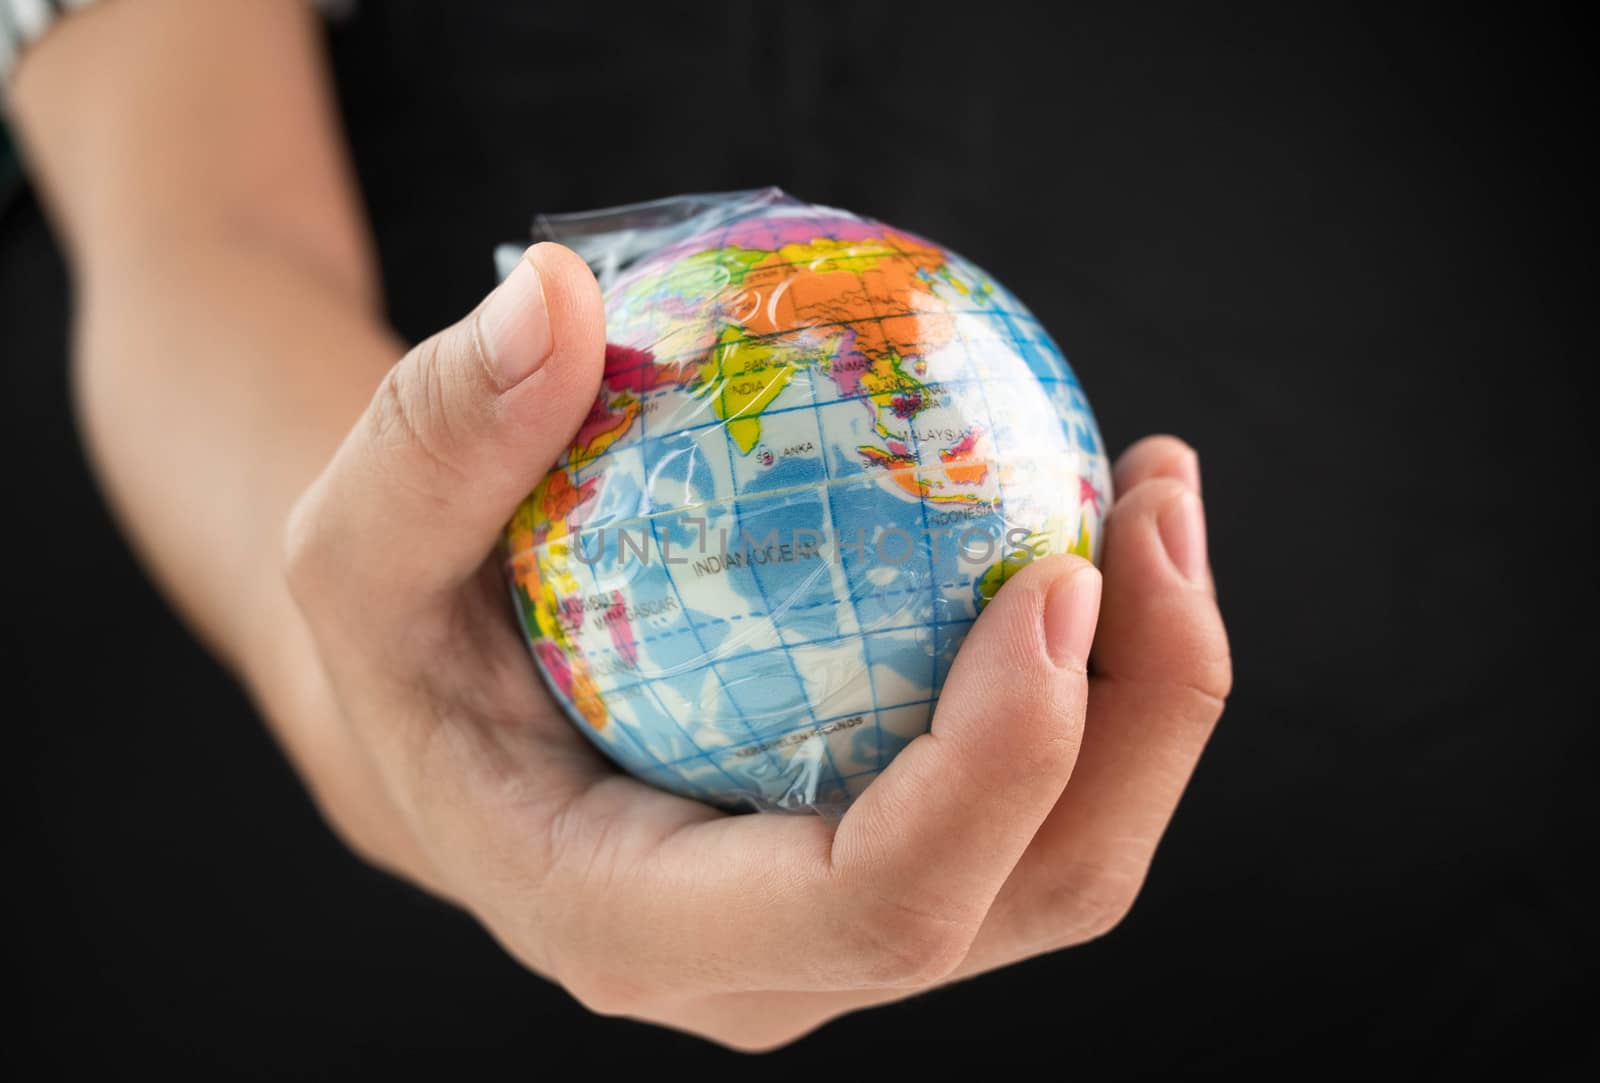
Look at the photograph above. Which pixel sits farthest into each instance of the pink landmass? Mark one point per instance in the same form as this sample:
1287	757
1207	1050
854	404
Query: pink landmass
603	422
895	457
587	489
556	665
963	447
570	611
906	405
848	366
963	462
629	369
1088	494
616	617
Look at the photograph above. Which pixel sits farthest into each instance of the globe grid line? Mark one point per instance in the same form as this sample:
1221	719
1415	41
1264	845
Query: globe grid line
988	409
922	511
818	641
766	602
638	739
871	474
688	616
625	444
687	391
855	610
757	337
815	723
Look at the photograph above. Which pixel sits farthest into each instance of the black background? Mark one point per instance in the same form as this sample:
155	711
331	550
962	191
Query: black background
1345	256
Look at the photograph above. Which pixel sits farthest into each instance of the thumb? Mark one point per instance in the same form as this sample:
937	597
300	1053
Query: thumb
460	430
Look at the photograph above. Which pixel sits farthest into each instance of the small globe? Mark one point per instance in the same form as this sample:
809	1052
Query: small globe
820	446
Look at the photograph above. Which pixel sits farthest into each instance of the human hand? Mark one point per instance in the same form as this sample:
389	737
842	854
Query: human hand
969	851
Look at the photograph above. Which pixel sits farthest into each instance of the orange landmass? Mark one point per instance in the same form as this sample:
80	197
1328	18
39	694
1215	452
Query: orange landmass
871	285
964	461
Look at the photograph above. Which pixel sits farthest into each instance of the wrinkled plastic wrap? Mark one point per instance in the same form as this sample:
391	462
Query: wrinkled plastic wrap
821	445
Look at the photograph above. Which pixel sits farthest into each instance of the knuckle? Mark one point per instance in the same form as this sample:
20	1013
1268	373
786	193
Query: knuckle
756	1039
353	831
1053	757
1059	732
1042	757
411	411
1216	678
1198	662
1145	498
1205	667
1163	441
1092	900
906	945
604	993
766	1034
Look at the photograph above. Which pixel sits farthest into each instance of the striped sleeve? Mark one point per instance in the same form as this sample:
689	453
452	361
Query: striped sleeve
23	22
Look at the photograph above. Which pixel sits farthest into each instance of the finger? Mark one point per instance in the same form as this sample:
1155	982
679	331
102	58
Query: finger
891	897
1162	672
1160	457
461	429
1156	457
941	828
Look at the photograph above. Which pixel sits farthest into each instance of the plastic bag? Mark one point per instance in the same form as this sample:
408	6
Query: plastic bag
821	444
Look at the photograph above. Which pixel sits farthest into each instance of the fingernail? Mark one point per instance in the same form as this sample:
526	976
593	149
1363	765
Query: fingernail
1071	610
1182	523
515	325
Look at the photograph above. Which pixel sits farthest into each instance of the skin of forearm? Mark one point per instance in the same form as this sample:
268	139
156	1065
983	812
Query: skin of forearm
226	329
211	388
212	384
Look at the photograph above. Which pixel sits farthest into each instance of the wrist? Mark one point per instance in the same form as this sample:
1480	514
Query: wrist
283	673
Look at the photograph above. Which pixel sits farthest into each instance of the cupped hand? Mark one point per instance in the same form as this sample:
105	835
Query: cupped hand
1022	823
